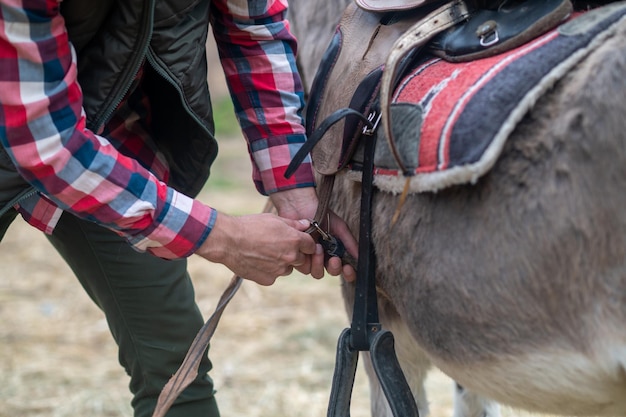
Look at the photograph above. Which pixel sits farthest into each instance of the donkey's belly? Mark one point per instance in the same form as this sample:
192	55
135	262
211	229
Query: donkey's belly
549	379
552	381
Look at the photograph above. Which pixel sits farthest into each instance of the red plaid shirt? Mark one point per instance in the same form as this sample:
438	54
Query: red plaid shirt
117	177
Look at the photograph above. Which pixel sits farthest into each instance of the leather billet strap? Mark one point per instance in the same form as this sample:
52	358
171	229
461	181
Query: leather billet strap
326	182
324	193
188	370
409	44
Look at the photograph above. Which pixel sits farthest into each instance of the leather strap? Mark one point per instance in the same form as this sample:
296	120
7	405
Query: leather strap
365	332
365	311
346	361
390	375
318	134
324	192
410	43
188	370
326	182
387	368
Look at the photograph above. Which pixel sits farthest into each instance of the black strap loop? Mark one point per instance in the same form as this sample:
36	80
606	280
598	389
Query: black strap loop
318	134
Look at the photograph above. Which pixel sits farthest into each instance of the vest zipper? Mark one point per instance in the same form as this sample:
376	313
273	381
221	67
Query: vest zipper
127	77
30	191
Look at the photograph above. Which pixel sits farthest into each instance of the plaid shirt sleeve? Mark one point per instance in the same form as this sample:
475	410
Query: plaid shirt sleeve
42	127
257	52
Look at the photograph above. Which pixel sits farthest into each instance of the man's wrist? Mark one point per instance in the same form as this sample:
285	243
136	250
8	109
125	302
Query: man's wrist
296	203
215	247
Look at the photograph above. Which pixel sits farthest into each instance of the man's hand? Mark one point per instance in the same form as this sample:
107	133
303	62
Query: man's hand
301	203
259	247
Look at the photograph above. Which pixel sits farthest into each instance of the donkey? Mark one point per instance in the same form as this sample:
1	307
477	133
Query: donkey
514	286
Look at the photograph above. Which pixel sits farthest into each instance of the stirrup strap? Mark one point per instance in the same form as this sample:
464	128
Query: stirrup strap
365	333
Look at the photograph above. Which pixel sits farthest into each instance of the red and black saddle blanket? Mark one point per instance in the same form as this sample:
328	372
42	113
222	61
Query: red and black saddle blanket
451	120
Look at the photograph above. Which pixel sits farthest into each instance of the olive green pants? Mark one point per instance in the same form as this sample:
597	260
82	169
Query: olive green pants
149	306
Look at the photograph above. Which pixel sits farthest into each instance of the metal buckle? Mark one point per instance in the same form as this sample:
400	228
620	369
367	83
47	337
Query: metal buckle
371	128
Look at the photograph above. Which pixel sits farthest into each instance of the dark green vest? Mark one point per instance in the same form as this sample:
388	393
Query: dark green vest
114	37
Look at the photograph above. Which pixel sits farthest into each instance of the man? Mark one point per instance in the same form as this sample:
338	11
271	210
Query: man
107	134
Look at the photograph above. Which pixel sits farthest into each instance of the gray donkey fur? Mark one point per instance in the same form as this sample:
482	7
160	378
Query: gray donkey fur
516	286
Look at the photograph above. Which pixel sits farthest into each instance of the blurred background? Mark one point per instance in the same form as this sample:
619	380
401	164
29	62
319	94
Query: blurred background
273	351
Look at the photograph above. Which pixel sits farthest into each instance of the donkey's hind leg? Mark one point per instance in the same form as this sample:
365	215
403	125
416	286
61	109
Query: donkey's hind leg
469	404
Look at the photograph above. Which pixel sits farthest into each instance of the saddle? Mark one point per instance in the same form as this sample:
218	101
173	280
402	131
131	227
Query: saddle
377	40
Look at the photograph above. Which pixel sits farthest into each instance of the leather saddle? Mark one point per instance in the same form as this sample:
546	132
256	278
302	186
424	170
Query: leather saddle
374	43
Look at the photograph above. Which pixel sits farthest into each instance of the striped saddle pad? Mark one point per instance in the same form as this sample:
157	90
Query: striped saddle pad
451	120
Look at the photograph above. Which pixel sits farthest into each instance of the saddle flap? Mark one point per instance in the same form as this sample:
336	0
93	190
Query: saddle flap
390	5
357	53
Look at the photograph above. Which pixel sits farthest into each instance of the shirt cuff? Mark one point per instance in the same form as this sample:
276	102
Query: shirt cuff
184	227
